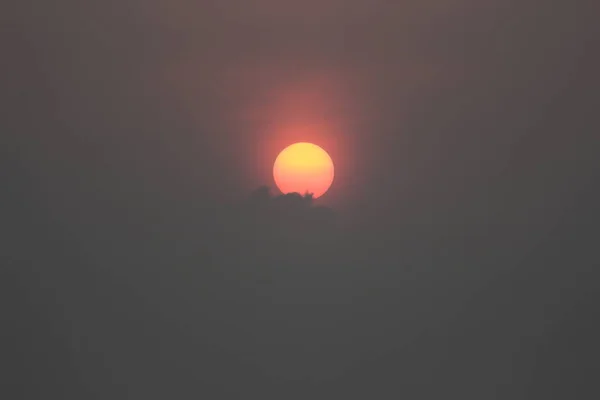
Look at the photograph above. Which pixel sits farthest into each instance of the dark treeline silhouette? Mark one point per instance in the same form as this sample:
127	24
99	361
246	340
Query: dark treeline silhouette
289	214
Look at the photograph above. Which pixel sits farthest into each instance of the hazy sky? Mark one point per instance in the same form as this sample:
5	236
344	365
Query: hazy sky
456	113
413	100
466	126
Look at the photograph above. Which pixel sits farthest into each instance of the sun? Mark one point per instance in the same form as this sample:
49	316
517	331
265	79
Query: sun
303	167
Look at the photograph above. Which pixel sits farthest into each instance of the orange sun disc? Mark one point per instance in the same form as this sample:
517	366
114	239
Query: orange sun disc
302	168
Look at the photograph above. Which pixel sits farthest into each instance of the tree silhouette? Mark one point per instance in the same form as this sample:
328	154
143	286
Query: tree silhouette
290	214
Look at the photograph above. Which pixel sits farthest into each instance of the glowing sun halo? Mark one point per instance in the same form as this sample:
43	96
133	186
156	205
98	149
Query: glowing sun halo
303	167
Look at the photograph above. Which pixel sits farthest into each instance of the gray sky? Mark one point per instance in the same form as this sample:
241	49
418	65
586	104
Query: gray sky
463	131
401	93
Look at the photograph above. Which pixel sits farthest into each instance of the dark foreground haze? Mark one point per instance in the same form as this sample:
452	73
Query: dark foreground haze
273	298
